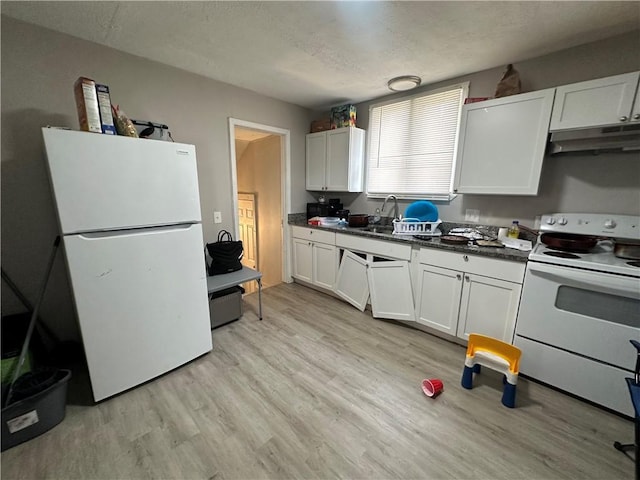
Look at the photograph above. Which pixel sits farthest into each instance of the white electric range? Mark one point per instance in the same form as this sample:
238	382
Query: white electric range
579	309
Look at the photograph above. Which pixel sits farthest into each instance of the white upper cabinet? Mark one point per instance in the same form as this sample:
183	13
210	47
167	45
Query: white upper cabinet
502	144
335	160
597	103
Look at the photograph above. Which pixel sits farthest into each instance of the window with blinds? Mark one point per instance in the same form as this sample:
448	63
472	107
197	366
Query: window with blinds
412	144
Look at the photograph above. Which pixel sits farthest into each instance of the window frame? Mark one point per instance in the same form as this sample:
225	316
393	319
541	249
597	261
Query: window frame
464	87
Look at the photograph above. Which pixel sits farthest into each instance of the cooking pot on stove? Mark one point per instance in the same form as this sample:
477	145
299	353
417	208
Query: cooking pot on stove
627	249
569	242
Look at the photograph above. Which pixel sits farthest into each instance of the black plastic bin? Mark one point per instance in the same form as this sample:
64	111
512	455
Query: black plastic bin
35	414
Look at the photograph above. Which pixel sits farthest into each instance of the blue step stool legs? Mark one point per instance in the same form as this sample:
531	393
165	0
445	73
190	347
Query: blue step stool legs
497	355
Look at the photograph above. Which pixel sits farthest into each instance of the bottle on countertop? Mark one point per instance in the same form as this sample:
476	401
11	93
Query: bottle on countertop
514	230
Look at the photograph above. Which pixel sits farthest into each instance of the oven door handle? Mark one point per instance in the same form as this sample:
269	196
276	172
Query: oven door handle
596	281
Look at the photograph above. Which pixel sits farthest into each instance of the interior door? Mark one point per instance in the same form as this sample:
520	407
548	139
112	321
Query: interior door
248	224
141	299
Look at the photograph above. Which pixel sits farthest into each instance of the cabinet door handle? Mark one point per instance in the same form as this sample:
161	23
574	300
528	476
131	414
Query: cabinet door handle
466	258
459	277
624	118
636	116
466	277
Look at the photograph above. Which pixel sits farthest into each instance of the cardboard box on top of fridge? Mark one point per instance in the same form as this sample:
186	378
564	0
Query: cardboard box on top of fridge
343	116
87	105
104	104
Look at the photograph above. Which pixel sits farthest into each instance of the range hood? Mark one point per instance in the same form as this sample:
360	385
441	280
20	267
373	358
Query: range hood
621	138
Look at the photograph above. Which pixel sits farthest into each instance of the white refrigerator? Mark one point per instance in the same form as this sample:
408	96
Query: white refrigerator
129	214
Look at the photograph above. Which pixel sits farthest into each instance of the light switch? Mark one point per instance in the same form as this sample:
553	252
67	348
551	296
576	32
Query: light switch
217	217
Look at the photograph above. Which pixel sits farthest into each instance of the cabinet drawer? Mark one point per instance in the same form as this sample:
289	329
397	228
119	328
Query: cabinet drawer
313	234
488	267
374	247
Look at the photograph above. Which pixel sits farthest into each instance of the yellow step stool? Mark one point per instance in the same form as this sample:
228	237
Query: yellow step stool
496	355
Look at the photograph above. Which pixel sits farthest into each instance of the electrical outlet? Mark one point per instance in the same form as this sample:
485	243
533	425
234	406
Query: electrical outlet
472	215
217	217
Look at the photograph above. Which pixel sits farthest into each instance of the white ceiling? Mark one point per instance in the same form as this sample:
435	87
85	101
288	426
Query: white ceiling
321	54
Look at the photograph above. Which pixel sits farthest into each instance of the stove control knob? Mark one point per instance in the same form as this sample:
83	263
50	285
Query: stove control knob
551	221
562	221
609	223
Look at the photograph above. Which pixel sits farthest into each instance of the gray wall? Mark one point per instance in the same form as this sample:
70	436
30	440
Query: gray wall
596	184
39	68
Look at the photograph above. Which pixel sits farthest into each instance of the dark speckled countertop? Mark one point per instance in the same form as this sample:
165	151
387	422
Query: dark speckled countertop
434	242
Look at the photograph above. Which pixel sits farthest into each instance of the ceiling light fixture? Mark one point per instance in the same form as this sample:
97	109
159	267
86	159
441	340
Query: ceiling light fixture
405	82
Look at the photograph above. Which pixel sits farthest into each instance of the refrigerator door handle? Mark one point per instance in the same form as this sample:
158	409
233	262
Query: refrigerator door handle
135	231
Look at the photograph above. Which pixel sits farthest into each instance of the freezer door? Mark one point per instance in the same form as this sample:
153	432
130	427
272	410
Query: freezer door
141	299
102	182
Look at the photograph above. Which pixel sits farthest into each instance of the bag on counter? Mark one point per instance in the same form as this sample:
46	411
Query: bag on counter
225	254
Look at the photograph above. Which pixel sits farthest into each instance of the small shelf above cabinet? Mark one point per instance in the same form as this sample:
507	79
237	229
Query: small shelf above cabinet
335	160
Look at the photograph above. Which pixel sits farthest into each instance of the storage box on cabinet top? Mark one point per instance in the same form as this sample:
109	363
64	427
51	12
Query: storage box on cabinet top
321	125
343	116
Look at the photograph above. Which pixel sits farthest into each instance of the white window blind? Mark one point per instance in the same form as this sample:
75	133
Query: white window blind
412	144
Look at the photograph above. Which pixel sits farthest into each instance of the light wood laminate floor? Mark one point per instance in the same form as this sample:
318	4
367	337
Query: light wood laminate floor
319	390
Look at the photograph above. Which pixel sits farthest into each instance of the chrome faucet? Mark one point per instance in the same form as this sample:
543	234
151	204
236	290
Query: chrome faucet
396	210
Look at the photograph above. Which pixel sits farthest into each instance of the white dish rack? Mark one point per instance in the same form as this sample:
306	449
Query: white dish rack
413	226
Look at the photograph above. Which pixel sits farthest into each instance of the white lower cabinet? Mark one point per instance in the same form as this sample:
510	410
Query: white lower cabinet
390	289
315	257
377	270
352	284
325	263
488	306
460	294
302	260
438	298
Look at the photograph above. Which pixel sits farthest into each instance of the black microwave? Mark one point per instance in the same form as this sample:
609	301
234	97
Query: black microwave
323	209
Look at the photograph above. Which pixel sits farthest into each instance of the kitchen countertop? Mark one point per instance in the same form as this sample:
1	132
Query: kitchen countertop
434	242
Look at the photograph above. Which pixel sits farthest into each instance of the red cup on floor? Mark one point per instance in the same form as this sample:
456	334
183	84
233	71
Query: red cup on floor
432	387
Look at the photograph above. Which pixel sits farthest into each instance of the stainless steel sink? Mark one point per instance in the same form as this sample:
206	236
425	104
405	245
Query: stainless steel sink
379	229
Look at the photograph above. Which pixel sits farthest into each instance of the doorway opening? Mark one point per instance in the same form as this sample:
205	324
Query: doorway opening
260	166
